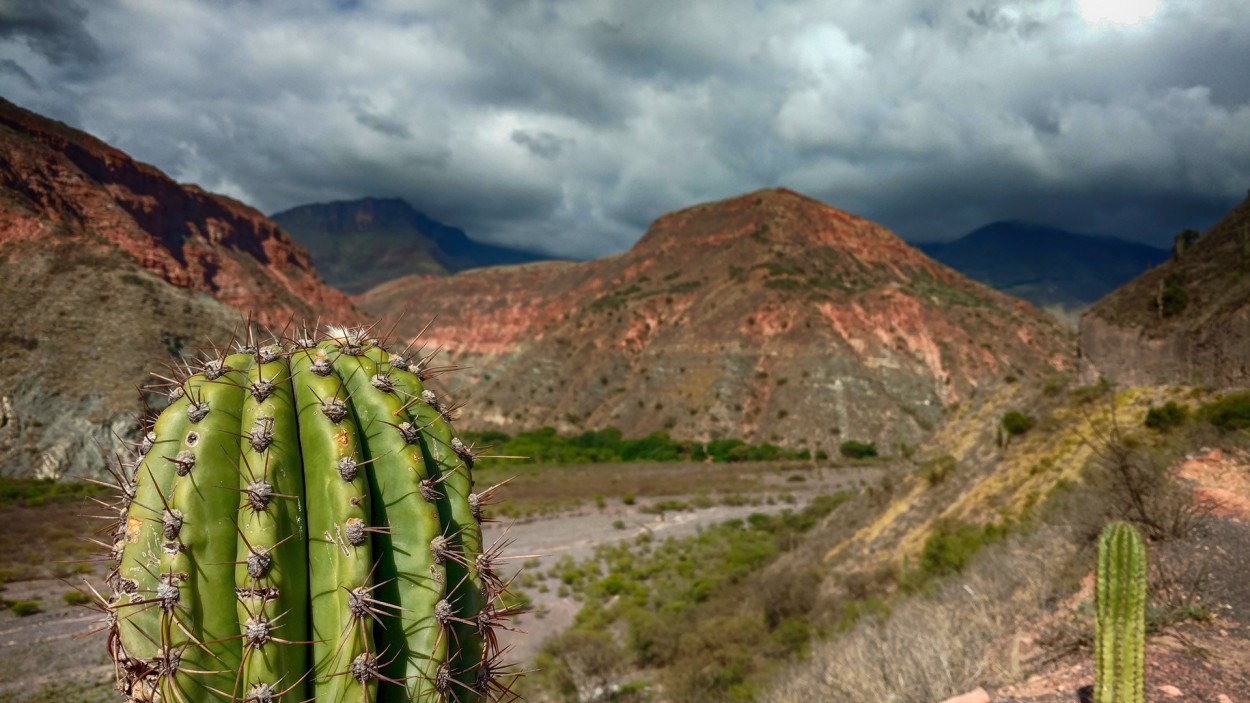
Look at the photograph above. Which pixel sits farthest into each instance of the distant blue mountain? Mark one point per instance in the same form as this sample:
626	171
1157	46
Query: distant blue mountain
1045	265
357	244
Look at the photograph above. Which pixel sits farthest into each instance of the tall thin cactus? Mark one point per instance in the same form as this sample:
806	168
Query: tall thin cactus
1120	636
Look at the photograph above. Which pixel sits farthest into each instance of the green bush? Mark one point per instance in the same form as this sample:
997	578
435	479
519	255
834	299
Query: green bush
1229	412
854	449
1017	423
1167	416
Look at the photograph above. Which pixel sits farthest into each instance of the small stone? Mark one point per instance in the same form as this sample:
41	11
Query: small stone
1223	699
1170	691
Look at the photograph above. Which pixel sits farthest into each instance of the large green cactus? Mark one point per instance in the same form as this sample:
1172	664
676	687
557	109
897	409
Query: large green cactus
1119	640
300	525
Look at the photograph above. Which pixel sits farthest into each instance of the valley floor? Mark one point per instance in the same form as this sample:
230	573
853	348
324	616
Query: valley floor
45	657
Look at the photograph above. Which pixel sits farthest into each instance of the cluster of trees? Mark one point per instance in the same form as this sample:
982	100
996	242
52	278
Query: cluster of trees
545	446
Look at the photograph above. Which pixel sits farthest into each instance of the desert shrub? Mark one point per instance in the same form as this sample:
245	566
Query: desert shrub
936	470
854	449
1173	298
579	661
1017	423
950	550
1131	481
24	608
1228	412
1167	416
921	650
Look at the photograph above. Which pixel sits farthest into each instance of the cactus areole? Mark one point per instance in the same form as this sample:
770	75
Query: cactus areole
299	525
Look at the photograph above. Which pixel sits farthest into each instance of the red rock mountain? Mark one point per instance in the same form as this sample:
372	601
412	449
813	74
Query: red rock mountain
108	270
1185	321
770	317
61	183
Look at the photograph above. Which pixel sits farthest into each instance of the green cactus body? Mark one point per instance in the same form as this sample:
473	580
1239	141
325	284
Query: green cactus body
449	463
198	557
141	539
1120	599
271	588
302	526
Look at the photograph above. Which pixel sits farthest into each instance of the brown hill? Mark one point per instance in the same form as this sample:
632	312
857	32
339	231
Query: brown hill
1185	321
108	269
769	317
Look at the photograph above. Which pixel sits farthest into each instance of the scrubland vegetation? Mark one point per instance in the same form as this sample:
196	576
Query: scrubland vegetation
758	610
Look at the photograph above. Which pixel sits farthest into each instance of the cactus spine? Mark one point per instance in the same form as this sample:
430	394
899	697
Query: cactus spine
300	525
1120	598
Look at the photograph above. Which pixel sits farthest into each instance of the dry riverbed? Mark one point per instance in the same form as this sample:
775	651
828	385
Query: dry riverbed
552	512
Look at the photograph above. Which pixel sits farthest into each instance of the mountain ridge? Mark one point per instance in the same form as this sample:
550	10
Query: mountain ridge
1045	265
794	309
360	243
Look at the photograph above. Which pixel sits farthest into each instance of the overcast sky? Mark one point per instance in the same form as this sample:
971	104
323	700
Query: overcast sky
568	125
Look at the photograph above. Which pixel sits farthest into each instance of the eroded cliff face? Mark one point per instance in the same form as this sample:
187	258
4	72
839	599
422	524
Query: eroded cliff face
770	317
1142	335
62	184
109	270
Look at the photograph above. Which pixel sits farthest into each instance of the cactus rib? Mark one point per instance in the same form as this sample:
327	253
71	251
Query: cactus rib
300	525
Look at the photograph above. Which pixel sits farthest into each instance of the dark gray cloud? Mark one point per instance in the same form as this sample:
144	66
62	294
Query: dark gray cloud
55	29
569	126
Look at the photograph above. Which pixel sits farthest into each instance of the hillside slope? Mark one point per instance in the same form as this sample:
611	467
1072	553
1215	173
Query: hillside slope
109	269
768	317
1187	321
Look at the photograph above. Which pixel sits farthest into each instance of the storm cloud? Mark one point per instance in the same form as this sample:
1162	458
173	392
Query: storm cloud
566	127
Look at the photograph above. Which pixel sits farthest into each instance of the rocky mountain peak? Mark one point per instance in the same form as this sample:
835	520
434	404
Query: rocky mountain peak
768	316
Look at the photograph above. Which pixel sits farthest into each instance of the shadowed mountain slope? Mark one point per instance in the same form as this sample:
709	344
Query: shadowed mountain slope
358	244
1044	265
